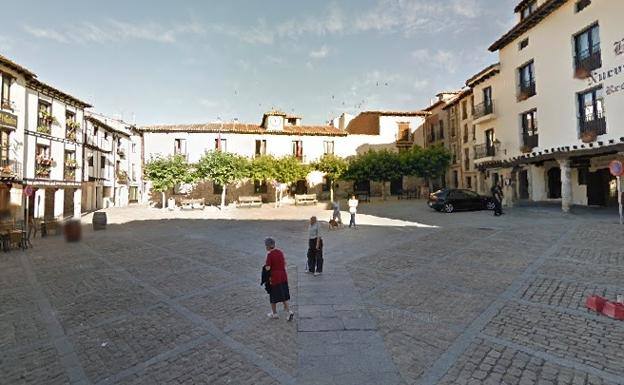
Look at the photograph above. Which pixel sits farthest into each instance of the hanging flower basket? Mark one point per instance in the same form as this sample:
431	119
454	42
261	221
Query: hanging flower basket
589	136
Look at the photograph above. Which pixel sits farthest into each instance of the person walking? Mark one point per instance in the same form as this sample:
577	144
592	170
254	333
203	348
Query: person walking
336	212
315	252
497	194
353	204
278	279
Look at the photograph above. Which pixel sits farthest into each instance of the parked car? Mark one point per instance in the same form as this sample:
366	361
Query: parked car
449	200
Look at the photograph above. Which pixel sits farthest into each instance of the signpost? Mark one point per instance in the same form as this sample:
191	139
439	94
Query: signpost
617	169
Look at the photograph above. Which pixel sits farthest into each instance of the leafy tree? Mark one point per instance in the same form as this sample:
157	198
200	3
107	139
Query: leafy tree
429	163
288	170
166	173
378	166
263	169
223	168
334	168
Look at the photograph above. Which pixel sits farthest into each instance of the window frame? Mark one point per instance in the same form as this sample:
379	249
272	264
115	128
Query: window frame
592	47
581	103
526	130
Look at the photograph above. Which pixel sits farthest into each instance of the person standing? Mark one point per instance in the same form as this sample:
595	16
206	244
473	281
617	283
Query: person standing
353	204
497	194
336	212
278	279
315	253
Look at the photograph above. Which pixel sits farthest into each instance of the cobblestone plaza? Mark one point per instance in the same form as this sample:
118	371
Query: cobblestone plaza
410	297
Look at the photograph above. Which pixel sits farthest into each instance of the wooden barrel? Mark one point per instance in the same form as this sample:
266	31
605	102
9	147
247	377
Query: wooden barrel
99	221
73	230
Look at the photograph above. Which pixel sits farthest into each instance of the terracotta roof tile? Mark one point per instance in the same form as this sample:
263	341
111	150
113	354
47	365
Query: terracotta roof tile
243	128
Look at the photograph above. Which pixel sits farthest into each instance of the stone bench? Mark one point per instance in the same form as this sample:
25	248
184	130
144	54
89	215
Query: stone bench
250	201
192	204
305	199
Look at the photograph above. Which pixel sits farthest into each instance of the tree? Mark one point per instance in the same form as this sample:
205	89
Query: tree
378	166
166	173
429	163
222	168
289	170
334	168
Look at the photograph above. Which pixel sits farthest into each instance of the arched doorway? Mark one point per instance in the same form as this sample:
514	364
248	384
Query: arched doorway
554	183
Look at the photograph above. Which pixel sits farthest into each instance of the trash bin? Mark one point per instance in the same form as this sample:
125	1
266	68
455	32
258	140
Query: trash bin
99	221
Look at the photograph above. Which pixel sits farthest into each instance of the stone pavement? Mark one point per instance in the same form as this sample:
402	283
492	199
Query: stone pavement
174	298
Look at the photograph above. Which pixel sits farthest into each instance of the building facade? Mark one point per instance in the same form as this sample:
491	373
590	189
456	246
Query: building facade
281	135
558	93
113	164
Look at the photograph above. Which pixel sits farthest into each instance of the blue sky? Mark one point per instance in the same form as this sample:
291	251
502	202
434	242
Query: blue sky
193	61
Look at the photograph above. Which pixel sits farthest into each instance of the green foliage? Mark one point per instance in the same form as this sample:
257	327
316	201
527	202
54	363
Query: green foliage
427	163
166	173
290	170
333	166
263	168
378	166
222	168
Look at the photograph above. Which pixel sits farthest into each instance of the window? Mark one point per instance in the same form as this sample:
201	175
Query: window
4	145
5	92
260	187
44	117
464	107
70	165
221	144
523	44
179	147
468	182
587	51
487	96
70	125
527	80
466	159
528	9
95	130
260	147
105	135
474	132
403	133
297	149
529	123
134	148
441	123
489	142
90	160
582	4
465	133
43	151
328	147
591	111
102	162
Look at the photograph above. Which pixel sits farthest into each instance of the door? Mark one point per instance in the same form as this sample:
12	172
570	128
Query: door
523	184
457	199
598	187
554	183
68	203
396	186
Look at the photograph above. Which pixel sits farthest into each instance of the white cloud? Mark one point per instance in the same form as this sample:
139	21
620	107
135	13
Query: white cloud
321	53
447	60
421	84
111	31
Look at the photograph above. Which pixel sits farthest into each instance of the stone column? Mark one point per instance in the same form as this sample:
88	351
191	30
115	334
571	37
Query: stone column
566	184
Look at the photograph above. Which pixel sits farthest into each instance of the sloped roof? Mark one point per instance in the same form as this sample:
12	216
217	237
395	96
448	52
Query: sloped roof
16	67
244	128
56	93
104	122
458	97
531	21
483	75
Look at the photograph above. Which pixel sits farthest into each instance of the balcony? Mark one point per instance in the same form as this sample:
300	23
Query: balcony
122	177
585	63
484	151
10	169
7	105
483	110
529	142
43	167
526	89
592	126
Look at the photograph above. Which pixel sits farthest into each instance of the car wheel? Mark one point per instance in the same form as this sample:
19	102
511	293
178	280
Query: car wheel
490	205
448	208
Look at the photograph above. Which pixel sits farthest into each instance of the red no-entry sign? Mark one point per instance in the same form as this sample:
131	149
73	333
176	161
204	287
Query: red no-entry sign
616	168
29	191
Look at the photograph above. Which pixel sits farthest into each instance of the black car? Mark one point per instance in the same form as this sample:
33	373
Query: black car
449	200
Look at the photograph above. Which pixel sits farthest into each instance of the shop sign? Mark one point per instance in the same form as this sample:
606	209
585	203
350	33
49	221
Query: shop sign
612	73
8	120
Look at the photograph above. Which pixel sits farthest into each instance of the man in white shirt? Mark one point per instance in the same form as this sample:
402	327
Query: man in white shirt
353	204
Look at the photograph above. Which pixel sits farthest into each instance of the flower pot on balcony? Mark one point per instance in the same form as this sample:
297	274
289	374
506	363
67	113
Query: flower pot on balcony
44	130
589	136
582	73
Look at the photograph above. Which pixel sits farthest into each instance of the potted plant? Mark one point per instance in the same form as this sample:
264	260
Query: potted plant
589	136
44	130
70	173
71	164
42	171
48	117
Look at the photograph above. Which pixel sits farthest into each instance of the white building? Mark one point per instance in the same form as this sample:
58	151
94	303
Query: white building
113	169
280	135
